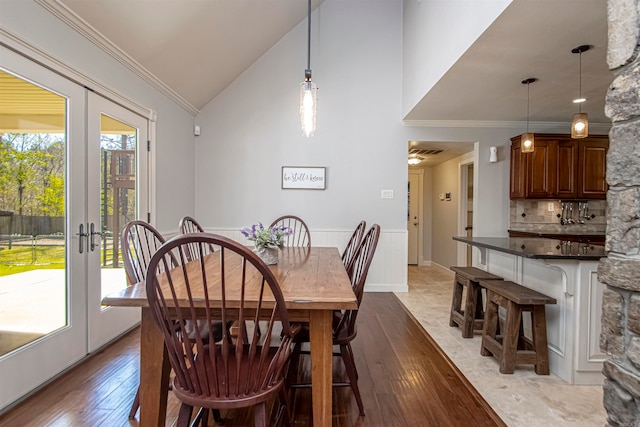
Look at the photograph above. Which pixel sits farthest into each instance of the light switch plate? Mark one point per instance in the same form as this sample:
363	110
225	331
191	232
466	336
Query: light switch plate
386	194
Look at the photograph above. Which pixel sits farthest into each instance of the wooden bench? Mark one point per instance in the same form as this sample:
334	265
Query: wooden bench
512	347
471	318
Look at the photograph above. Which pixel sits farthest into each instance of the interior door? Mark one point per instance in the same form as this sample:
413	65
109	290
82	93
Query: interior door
43	320
413	220
117	193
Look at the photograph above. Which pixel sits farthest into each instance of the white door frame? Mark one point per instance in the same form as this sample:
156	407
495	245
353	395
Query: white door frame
463	164
420	174
37	362
61	350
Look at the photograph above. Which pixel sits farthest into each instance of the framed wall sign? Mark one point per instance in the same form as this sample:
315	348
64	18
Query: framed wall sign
309	178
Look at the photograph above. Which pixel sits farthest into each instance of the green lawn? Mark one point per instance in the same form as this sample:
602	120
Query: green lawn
25	258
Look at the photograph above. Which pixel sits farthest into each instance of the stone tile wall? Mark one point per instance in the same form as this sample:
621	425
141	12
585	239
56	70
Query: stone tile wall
534	215
620	270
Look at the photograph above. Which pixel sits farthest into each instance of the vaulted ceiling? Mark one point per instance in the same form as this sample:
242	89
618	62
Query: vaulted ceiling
195	48
192	49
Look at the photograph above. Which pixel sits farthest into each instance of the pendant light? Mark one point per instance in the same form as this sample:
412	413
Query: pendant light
308	90
580	120
527	140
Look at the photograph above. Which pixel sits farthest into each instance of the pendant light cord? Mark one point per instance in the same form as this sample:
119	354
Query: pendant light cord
528	84
580	85
308	70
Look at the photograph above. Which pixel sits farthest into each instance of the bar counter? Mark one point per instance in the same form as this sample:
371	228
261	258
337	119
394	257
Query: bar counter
566	271
537	247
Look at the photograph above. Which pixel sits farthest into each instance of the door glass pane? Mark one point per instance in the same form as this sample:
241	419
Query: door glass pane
33	138
118	143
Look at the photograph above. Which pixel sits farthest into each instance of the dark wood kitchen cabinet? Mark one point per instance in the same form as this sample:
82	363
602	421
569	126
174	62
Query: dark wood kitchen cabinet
559	168
593	168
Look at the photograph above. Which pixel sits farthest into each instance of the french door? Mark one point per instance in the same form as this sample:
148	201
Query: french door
117	182
73	170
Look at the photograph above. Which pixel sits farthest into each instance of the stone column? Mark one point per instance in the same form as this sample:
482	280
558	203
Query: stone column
620	270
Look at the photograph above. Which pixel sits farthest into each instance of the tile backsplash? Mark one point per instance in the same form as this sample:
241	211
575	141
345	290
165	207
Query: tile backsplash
534	215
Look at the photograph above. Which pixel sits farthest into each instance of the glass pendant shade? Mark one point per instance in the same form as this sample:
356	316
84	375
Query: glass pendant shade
527	142
580	120
308	92
579	126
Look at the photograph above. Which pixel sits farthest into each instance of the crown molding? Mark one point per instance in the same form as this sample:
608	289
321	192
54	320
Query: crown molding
66	15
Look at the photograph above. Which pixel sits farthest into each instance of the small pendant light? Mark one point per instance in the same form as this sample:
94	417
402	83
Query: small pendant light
580	120
527	140
308	90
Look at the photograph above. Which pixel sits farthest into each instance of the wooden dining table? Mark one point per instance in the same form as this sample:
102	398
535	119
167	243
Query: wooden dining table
314	283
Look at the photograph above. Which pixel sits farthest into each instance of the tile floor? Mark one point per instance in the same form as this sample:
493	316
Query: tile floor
521	399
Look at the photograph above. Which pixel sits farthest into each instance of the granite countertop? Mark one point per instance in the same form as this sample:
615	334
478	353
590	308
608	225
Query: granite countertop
564	232
537	247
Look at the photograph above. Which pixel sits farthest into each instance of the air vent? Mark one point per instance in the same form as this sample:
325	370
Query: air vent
425	152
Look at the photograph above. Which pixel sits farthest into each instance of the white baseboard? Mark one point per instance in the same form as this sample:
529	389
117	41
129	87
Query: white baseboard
443	268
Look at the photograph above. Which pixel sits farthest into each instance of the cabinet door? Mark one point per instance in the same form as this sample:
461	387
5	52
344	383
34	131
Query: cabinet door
542	170
567	170
518	172
593	168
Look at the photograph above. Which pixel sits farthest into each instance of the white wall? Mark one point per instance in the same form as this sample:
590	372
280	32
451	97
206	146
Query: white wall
174	127
252	129
436	34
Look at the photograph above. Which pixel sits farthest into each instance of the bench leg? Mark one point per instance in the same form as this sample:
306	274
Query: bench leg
539	330
456	300
490	327
470	307
510	338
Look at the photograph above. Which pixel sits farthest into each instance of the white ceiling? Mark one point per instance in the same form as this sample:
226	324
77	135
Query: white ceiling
532	38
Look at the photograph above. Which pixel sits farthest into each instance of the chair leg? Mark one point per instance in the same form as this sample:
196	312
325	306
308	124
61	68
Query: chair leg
355	368
184	417
135	405
259	415
284	411
205	418
294	361
350	365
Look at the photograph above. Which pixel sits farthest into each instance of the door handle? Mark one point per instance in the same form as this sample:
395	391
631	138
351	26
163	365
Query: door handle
81	235
94	233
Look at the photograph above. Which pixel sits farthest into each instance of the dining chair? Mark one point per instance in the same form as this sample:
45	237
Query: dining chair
189	225
139	242
232	284
344	322
300	235
353	244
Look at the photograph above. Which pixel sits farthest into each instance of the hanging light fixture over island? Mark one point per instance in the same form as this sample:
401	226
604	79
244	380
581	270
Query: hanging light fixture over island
580	120
527	141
